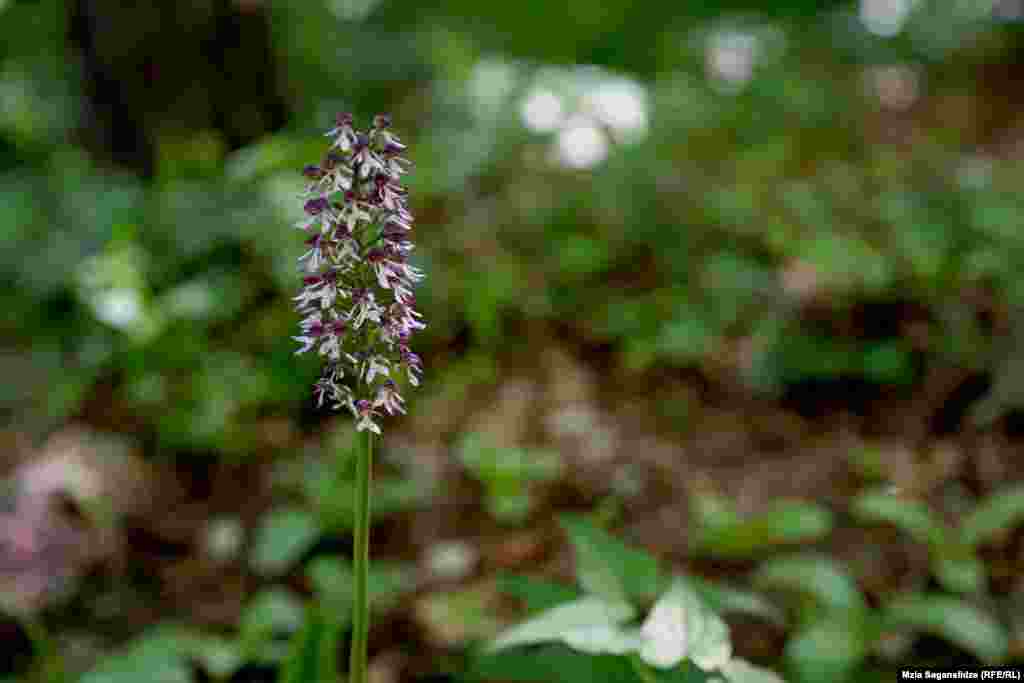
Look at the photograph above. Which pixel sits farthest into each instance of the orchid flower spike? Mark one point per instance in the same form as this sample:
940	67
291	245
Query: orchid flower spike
357	302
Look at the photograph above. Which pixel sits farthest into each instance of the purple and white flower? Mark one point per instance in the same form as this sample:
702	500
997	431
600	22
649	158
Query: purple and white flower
389	399
357	297
364	410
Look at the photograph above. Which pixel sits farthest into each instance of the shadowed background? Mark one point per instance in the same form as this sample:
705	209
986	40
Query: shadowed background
681	265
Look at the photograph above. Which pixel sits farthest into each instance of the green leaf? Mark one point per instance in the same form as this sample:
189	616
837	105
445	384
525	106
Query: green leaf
958	621
959	570
738	670
219	657
333	582
314	650
603	639
787	523
554	624
726	599
679	626
685	673
536	594
283	537
551	664
607	567
160	655
166	654
507	474
911	516
816	575
999	513
888	363
272	613
830	649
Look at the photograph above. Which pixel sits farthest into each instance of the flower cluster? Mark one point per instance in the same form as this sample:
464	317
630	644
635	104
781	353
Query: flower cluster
357	301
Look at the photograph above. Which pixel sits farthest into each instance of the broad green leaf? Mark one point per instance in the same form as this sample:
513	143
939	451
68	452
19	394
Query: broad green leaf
272	613
816	575
738	670
959	570
551	664
333	582
160	655
607	567
680	626
999	513
507	474
553	624
888	363
314	650
603	639
219	657
687	672
725	599
167	653
536	594
284	535
830	649
911	516
274	609
956	620
787	523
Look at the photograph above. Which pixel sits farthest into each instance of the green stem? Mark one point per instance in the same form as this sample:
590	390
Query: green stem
361	560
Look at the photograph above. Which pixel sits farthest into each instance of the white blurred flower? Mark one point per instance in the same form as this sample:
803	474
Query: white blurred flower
731	56
581	144
542	111
120	308
621	105
885	18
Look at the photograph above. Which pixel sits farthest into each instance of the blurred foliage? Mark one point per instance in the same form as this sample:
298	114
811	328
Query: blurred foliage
613	577
721	532
328	486
699	181
953	551
835	634
506	474
758	190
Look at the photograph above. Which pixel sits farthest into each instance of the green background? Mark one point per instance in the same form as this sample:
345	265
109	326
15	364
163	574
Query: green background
810	228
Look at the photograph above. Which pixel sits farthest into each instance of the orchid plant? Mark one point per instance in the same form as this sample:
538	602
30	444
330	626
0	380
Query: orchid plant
358	305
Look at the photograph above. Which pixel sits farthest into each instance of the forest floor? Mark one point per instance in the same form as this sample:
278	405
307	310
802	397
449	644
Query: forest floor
637	448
